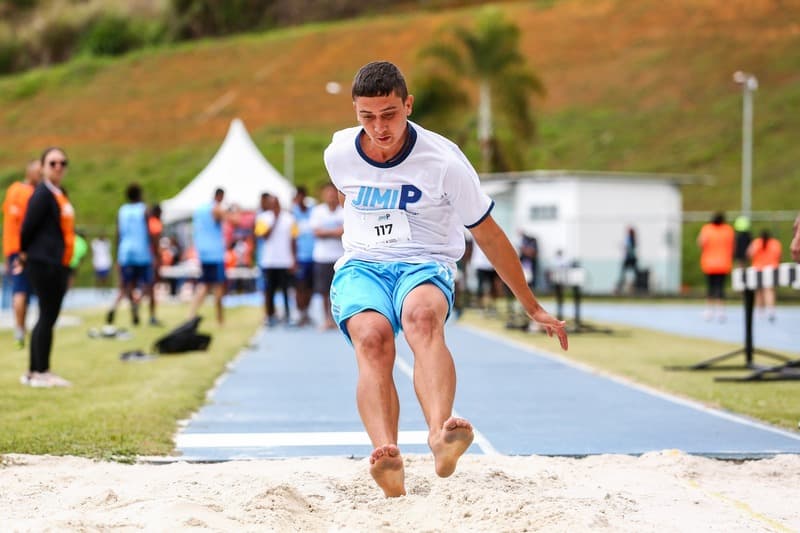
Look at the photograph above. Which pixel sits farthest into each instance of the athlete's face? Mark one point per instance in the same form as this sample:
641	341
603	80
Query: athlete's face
384	121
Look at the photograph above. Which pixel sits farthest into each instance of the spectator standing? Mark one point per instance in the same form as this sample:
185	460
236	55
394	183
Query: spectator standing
277	256
629	259
529	257
14	208
716	242
135	250
304	275
742	239
155	228
327	222
795	245
80	250
488	281
765	251
209	244
101	261
46	244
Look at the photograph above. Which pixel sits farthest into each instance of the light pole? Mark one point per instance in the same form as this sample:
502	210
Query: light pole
749	84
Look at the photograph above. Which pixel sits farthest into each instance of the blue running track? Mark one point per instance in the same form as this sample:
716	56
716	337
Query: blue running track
293	395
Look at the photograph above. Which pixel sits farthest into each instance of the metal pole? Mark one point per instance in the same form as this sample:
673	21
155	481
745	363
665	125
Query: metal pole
747	149
749	84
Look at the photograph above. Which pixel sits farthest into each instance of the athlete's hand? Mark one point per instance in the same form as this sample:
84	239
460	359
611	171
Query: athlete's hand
551	326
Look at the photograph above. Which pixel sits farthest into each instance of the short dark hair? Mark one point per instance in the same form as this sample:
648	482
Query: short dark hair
219	192
134	192
155	210
379	78
718	218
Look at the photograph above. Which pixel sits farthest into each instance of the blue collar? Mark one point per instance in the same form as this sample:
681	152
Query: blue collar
405	151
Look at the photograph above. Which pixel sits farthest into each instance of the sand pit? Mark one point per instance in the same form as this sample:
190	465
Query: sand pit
664	491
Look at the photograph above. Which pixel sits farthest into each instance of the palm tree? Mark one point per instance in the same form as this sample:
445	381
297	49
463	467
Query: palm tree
489	56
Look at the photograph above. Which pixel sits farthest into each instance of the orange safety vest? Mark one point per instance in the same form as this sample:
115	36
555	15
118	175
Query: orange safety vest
716	256
67	222
14	208
766	256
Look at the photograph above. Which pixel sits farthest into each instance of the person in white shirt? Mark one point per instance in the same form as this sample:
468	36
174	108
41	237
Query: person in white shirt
406	193
327	222
101	260
277	254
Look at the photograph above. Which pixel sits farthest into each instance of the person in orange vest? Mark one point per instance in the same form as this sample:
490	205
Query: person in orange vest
46	245
716	242
14	207
765	252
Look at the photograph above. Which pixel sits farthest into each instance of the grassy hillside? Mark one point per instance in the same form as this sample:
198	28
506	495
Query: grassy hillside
637	85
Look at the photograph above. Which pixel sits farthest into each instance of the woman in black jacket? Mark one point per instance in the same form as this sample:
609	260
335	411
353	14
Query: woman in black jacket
47	241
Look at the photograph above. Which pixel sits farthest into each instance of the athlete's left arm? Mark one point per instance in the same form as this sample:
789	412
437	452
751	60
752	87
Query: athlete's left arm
499	250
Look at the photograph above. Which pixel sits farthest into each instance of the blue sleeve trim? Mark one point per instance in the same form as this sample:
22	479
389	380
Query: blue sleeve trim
488	212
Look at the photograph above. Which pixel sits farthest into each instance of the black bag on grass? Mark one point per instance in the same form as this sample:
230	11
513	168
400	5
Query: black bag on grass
184	338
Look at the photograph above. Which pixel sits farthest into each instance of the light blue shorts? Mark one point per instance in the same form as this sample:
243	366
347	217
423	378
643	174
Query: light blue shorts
366	286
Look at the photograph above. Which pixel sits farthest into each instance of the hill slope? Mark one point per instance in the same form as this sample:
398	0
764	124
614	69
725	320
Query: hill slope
635	86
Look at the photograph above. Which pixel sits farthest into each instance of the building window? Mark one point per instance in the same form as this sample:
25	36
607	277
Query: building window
543	212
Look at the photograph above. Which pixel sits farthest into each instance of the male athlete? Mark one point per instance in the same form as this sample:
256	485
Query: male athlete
406	193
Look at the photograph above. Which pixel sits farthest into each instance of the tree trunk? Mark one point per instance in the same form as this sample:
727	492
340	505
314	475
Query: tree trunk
485	125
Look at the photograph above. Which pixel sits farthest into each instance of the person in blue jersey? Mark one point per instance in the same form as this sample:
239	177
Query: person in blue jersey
407	193
135	252
209	242
304	274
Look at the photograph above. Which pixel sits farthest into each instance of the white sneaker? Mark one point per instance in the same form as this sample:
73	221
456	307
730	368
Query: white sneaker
55	380
36	380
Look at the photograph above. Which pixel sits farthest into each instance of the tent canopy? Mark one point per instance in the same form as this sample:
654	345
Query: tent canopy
240	170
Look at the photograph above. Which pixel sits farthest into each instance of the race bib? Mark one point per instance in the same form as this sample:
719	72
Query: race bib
384	227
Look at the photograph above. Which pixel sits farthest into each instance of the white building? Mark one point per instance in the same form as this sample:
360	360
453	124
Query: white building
587	215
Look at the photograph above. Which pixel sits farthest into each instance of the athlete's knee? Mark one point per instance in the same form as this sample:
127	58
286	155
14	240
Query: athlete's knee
375	345
423	322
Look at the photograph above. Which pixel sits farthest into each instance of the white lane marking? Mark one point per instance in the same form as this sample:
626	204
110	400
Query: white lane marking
480	440
626	382
268	440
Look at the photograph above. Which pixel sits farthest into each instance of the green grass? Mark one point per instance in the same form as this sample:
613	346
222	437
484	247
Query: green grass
641	355
115	410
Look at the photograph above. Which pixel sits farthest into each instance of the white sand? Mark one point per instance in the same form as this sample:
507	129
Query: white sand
666	491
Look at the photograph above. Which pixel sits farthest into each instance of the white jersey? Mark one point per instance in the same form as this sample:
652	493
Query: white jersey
276	250
327	249
101	254
411	208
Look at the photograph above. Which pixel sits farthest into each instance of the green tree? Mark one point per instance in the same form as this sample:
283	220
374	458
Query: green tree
489	57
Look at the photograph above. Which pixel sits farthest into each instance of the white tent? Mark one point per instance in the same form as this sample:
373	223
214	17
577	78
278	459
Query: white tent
240	169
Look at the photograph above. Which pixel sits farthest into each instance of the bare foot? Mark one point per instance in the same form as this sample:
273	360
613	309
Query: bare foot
452	441
386	467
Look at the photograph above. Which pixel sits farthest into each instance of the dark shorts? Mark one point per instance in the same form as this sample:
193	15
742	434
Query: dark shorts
486	279
212	273
102	273
716	285
323	277
19	281
136	274
304	275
